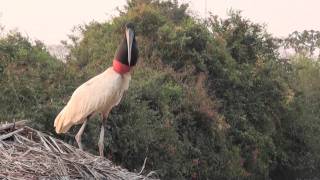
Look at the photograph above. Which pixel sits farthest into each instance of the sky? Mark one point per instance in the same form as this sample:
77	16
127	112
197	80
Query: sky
50	21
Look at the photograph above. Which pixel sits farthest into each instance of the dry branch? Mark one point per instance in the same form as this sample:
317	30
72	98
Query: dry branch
14	124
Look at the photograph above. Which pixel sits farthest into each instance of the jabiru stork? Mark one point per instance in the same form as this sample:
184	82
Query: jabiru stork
102	92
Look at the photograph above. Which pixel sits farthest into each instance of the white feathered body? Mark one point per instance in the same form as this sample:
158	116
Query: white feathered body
98	95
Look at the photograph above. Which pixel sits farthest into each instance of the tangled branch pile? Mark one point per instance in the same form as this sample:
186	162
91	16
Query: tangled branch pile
26	153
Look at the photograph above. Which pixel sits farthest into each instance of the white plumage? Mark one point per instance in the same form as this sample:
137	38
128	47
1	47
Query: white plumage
98	95
102	92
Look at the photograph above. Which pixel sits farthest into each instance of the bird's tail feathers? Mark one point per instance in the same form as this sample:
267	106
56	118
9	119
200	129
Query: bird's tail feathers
61	123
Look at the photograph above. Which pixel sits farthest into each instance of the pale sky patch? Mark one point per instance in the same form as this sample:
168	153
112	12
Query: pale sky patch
50	21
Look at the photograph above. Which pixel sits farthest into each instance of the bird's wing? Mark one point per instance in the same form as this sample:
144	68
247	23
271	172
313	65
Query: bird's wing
99	94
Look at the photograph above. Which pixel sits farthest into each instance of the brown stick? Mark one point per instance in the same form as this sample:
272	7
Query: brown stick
5	136
14	124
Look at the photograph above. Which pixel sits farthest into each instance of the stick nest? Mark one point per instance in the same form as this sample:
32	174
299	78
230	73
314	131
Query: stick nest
26	153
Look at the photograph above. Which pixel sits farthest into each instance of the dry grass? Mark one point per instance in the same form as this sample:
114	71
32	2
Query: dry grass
26	153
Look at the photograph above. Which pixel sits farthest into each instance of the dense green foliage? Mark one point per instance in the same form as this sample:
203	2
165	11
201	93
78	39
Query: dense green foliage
32	82
208	99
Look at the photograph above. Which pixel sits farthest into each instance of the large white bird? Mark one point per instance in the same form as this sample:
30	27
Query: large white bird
102	92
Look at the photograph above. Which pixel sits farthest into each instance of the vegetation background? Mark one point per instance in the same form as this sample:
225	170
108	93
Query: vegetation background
209	99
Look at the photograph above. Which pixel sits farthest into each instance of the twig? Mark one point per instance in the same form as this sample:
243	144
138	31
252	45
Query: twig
14	124
54	142
5	136
143	166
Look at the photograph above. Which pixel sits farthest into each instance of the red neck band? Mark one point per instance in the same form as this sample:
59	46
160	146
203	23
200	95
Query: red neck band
119	67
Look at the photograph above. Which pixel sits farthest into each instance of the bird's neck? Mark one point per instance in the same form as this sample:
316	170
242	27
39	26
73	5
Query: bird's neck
119	67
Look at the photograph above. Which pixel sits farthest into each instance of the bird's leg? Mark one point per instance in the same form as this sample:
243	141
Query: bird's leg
101	139
79	134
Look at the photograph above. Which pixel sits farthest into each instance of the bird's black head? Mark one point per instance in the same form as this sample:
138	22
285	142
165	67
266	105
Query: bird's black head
127	52
129	25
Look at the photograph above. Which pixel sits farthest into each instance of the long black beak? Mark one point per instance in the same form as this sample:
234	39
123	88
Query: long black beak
129	36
